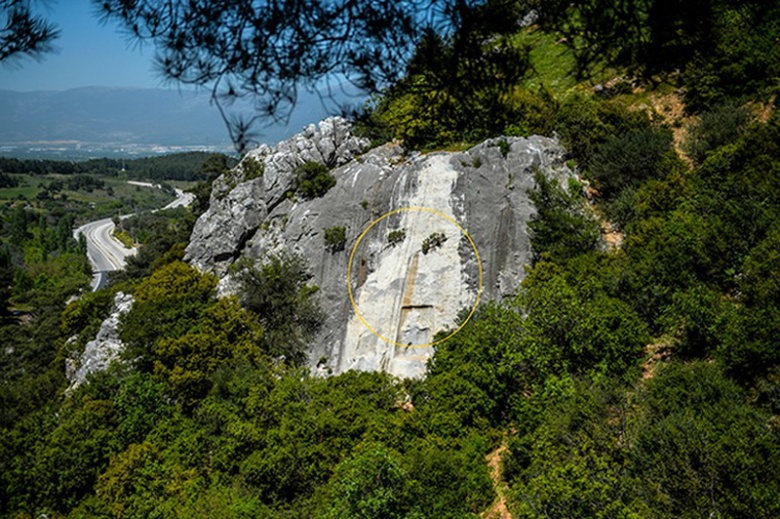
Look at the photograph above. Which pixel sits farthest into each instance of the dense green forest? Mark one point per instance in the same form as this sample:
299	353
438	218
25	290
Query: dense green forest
175	166
635	374
87	191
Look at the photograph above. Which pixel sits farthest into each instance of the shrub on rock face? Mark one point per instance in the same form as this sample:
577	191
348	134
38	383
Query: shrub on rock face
252	168
434	241
335	238
313	180
562	228
396	236
279	294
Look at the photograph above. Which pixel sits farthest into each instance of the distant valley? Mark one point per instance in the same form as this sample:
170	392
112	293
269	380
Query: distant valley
109	121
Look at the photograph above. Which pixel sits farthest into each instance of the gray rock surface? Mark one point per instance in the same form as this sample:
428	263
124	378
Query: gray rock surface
238	204
402	294
104	349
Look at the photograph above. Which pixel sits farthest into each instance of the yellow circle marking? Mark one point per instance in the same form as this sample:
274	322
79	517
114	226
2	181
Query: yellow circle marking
352	256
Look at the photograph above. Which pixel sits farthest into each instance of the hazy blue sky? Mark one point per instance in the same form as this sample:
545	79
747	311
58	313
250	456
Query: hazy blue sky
94	54
90	54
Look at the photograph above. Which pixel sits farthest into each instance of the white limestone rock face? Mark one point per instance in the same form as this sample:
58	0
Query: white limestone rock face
404	295
104	349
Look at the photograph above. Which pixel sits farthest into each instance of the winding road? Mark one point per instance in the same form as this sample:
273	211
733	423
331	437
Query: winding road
105	252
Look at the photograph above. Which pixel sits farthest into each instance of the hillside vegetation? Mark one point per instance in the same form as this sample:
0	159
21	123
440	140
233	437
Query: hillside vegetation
635	374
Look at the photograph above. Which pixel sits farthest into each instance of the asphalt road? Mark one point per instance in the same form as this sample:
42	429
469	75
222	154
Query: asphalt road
105	252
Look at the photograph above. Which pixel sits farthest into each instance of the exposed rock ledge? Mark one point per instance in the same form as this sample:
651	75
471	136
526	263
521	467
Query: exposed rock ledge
104	349
405	295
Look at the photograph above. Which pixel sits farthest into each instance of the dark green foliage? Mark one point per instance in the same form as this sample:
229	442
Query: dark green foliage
476	376
368	124
25	34
627	160
379	482
585	123
433	241
724	49
700	448
562	227
41	267
7	180
194	165
750	347
278	293
210	416
696	317
86	183
6	280
178	332
461	477
685	242
571	465
554	328
335	238
574	326
167	305
313	180
396	236
457	87
714	129
686	443
140	403
504	147
371	484
740	59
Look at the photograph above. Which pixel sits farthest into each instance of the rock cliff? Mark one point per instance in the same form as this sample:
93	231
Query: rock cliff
414	270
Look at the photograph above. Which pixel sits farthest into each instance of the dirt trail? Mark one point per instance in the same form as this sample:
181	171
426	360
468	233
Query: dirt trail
656	352
498	509
672	108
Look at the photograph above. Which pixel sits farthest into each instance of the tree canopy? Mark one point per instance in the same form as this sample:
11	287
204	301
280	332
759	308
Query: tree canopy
23	32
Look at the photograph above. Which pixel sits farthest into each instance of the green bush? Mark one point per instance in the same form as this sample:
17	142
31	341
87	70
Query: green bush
715	128
395	237
529	113
741	62
573	326
279	294
434	241
626	160
585	122
503	147
561	228
313	179
699	447
335	238
252	168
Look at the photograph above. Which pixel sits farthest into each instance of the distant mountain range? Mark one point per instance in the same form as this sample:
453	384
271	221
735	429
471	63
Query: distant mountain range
111	118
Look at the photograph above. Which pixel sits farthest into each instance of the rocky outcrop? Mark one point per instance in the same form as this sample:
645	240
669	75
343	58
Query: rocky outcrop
402	294
104	349
239	202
